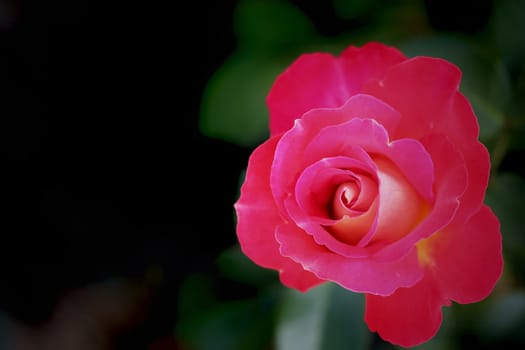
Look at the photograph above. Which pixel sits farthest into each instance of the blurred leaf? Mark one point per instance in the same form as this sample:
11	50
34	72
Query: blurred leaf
507	27
350	9
232	325
270	26
234	264
485	80
326	317
195	296
233	106
517	112
504	319
505	196
392	22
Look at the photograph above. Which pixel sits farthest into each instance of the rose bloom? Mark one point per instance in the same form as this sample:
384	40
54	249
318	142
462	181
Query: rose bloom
373	177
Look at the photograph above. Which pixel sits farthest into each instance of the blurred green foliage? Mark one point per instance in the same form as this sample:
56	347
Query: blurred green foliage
316	320
271	34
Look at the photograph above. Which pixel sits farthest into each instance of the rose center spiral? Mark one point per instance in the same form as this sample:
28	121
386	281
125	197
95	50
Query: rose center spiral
346	195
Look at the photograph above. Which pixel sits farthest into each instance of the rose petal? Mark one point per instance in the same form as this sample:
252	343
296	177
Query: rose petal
318	228
293	275
425	91
450	184
414	171
316	185
409	155
466	259
401	207
408	317
462	263
320	80
476	155
301	213
421	89
354	229
257	218
290	155
358	275
367	193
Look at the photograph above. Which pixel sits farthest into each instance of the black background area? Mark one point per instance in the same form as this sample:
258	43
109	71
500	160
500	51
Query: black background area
107	173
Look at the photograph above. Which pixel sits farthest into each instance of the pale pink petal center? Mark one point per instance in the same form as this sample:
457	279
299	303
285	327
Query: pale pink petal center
355	206
401	206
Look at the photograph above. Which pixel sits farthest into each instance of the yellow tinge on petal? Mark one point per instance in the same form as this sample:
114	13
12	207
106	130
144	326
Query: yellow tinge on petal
424	251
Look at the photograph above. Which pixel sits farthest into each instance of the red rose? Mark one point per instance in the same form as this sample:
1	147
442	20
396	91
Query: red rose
374	178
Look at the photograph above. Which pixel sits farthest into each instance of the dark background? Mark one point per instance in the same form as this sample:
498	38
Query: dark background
106	172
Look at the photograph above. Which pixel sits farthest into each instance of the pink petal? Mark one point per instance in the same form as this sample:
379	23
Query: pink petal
293	275
358	275
450	183
300	207
367	192
316	228
425	91
421	89
463	262
316	185
409	317
407	171
316	192
257	215
401	208
409	155
354	229
257	218
477	158
466	259
291	157
320	80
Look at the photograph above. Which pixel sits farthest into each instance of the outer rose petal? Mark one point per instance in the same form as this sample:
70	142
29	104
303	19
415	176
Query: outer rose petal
462	263
425	91
320	80
358	275
258	217
408	317
466	259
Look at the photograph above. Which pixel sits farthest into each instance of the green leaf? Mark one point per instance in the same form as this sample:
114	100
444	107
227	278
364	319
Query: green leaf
195	295
233	106
505	196
206	323
350	9
233	325
271	26
504	319
506	30
516	120
325	317
234	264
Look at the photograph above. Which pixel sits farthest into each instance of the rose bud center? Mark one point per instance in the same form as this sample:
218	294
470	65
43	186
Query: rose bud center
354	206
357	204
345	197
